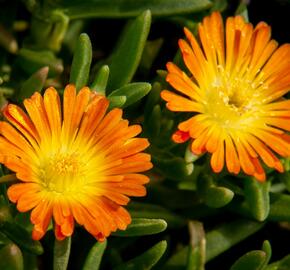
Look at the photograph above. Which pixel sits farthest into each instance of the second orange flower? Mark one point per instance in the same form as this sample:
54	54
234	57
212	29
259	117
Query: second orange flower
238	77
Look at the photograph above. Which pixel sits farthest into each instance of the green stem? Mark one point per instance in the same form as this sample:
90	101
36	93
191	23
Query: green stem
8	178
61	253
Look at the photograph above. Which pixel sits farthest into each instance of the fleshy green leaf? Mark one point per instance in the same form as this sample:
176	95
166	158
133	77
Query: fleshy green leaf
22	238
212	195
100	82
5	212
143	226
73	32
217	241
283	264
126	57
153	122
151	211
242	11
252	260
218	196
117	101
49	34
128	8
33	84
257	197
152	99
224	237
279	210
31	61
189	156
178	198
147	260
133	92
268	250
7	40
11	257
196	250
149	54
95	255
61	253
219	5
173	167
81	62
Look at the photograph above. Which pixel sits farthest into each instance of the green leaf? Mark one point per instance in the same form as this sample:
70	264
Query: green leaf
189	156
100	82
217	241
212	195
126	57
117	101
81	62
252	260
72	34
283	264
196	251
279	210
172	167
31	61
33	84
217	197
143	226
5	212
21	237
4	240
179	199
146	260
285	177
61	253
219	5
227	235
133	92
153	123
242	11
49	34
150	52
31	261
153	99
11	257
95	255
257	197
7	40
268	250
145	210
128	8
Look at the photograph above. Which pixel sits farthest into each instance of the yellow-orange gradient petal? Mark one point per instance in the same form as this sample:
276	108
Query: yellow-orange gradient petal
235	90
76	162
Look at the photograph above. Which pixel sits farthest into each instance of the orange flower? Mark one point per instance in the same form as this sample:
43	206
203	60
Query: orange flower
76	164
235	90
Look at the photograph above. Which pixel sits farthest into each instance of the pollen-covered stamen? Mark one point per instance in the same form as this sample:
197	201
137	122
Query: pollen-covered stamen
237	93
62	172
229	98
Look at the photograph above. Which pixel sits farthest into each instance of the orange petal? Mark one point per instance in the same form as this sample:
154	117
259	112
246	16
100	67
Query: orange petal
232	161
180	136
53	109
217	158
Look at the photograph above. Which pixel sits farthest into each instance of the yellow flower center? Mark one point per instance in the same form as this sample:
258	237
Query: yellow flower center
63	173
232	102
